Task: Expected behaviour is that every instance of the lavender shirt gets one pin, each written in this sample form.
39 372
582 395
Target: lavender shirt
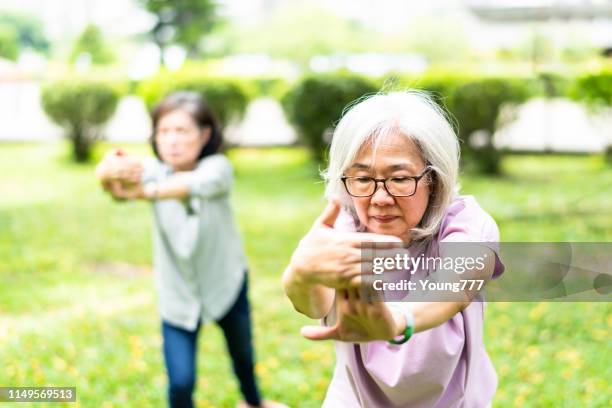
446 366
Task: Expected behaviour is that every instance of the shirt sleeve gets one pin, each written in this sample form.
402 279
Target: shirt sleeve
466 221
212 178
150 167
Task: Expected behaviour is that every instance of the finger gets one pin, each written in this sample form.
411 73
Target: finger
350 256
351 267
352 295
342 294
351 271
115 173
355 282
381 241
349 305
136 167
137 174
377 252
116 189
320 332
364 284
330 214
355 302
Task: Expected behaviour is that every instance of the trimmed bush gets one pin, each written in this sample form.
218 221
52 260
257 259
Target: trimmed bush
439 84
316 103
477 105
552 85
81 107
595 89
228 98
273 87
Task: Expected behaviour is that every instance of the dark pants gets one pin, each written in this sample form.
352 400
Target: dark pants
180 347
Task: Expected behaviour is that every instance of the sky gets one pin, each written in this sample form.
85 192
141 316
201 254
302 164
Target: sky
66 18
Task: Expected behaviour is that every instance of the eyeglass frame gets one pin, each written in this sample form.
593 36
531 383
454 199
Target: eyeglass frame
416 179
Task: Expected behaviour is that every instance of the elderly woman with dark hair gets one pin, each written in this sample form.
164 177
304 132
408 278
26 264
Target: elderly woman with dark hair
200 267
392 177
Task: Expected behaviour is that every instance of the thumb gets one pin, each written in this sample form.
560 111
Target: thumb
330 214
117 187
319 332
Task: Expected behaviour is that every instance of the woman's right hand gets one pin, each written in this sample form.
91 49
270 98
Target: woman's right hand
119 166
333 258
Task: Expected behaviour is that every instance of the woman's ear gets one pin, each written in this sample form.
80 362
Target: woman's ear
205 134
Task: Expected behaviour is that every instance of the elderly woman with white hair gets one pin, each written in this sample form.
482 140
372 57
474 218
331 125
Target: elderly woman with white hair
392 177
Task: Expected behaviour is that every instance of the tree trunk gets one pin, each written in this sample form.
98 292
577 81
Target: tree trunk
80 145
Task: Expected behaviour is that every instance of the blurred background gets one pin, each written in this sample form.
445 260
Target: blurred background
528 85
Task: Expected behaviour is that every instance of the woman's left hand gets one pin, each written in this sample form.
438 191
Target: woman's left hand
358 320
122 191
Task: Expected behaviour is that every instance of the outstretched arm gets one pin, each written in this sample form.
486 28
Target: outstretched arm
324 260
212 178
358 320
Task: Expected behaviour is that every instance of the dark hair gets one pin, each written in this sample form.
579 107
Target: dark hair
194 104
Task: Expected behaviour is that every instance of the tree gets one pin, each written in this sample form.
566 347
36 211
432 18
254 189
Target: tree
451 40
81 107
28 30
9 44
181 22
278 34
91 41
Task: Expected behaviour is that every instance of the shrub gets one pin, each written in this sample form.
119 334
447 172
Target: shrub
440 85
476 105
227 98
316 103
273 87
595 89
552 85
81 107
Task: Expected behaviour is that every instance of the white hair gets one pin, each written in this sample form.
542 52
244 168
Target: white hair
410 113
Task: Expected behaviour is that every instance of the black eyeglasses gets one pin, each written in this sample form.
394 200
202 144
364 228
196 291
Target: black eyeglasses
405 186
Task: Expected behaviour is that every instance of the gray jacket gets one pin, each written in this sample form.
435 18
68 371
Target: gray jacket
198 257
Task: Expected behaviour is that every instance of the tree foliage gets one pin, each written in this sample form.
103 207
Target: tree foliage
27 30
182 22
91 41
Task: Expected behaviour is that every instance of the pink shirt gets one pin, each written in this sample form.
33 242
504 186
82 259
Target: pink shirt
446 366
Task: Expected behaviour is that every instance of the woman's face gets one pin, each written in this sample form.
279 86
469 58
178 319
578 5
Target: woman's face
382 213
180 140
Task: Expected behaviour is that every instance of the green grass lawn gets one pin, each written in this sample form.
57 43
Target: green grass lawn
77 304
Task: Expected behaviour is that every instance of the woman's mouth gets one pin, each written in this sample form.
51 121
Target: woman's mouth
384 219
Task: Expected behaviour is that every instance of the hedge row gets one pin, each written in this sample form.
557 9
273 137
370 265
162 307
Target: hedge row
478 103
315 103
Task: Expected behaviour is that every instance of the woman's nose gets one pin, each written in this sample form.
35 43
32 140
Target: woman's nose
381 196
172 137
